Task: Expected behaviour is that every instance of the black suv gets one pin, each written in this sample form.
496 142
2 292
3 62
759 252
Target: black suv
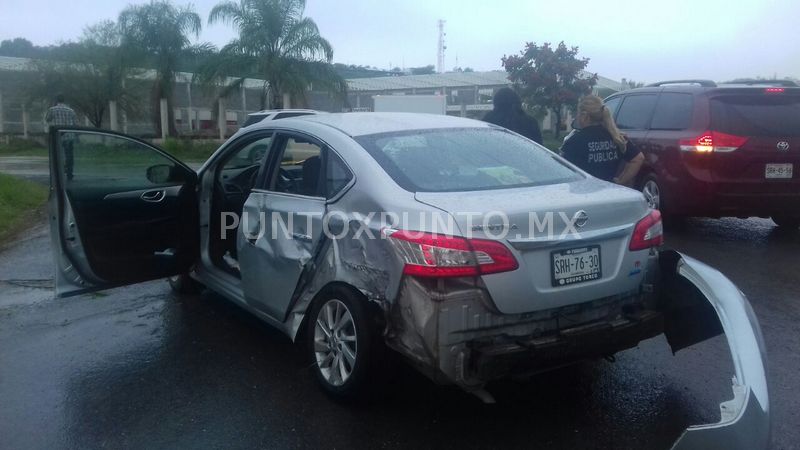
729 149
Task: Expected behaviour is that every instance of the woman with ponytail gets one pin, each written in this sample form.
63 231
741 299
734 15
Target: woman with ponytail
597 146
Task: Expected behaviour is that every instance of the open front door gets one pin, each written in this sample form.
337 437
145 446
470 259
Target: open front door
121 211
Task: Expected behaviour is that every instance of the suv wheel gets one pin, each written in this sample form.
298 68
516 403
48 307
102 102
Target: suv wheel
184 284
788 222
652 192
342 343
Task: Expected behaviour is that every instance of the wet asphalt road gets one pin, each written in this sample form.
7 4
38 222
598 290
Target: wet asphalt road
139 367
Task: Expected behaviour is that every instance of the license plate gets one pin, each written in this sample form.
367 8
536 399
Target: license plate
778 171
575 265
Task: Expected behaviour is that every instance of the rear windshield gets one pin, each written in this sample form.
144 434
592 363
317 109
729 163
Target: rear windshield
253 118
464 160
757 115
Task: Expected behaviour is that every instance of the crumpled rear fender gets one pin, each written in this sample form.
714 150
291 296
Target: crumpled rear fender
744 420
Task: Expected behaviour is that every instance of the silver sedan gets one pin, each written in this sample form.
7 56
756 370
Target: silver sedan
470 251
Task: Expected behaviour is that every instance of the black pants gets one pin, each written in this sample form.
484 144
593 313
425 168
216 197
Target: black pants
69 157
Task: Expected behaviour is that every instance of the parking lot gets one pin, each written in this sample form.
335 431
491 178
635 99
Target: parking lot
140 367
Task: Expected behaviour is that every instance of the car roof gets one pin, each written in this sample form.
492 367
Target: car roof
363 123
706 86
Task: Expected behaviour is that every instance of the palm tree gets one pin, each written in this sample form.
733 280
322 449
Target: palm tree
275 43
160 33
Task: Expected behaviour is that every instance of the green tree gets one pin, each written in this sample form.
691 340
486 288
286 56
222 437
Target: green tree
160 33
424 70
19 47
278 44
89 73
548 78
630 84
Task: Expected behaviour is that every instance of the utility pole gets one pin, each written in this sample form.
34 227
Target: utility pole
442 47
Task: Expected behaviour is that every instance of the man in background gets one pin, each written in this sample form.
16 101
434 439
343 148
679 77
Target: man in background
62 115
508 113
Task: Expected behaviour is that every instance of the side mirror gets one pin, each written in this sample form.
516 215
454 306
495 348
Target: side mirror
159 174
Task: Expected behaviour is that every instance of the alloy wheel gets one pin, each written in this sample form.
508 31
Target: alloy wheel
335 347
652 194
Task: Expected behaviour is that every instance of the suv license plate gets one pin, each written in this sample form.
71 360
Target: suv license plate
575 265
778 171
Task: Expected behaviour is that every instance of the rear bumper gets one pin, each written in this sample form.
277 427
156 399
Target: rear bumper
744 422
765 205
706 199
459 337
451 332
509 357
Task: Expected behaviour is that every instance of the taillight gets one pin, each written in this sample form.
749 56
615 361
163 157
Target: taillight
649 232
774 90
713 141
438 255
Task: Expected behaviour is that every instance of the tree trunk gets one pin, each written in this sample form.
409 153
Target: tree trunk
155 108
557 113
159 92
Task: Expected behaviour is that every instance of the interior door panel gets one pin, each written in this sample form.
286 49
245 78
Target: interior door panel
118 222
127 236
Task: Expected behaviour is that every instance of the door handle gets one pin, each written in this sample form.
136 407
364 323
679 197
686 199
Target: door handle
153 196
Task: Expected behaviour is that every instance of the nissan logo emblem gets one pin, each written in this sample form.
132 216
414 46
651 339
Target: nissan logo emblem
580 218
783 146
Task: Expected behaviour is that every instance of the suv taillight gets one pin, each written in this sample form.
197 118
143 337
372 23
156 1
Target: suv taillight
441 256
713 141
649 232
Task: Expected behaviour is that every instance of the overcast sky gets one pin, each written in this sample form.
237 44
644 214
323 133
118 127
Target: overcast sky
639 40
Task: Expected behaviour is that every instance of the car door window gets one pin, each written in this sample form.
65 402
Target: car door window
96 161
239 171
299 168
635 112
673 112
613 104
337 175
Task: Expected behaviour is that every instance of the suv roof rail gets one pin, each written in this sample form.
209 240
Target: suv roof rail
703 83
754 82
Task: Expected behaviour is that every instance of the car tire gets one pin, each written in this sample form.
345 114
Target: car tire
344 343
185 284
787 222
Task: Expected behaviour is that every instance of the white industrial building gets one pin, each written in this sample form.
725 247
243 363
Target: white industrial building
468 94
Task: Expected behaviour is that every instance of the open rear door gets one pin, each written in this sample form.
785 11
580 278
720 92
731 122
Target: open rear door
121 211
699 303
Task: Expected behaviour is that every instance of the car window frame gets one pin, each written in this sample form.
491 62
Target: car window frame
646 126
274 163
238 145
621 99
325 161
658 102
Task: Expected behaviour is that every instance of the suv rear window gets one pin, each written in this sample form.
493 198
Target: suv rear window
253 118
464 159
756 115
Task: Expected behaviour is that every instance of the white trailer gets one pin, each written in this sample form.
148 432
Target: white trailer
428 104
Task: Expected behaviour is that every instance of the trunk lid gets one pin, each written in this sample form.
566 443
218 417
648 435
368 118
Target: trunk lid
770 121
541 221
